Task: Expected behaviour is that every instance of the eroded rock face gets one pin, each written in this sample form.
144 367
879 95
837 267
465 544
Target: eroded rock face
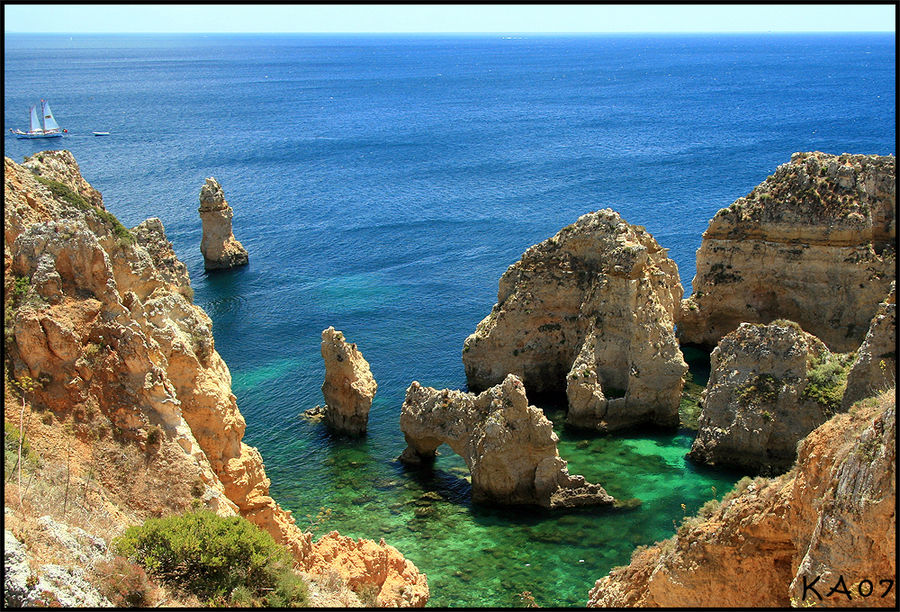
349 386
814 243
219 247
106 325
509 446
589 311
875 368
756 406
831 516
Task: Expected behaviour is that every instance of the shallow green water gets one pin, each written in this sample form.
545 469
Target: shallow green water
482 556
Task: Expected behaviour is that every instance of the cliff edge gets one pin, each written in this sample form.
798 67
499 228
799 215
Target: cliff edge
111 355
814 243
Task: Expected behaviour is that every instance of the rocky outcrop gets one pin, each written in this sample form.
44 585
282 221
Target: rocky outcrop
102 319
219 247
875 368
769 386
589 311
61 167
509 446
349 386
814 243
828 524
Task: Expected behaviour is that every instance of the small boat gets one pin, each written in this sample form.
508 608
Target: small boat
101 133
44 126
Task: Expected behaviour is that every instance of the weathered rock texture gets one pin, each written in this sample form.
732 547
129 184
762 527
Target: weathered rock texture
219 247
814 243
756 406
591 311
875 367
831 516
509 446
349 386
102 318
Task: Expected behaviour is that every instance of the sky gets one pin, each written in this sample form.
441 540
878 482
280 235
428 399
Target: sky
478 18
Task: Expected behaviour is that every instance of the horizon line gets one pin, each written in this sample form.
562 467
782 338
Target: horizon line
486 33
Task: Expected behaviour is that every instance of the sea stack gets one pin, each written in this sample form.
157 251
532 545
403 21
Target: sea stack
769 386
219 247
589 311
509 446
349 386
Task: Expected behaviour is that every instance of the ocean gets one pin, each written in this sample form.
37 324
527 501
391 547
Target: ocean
382 185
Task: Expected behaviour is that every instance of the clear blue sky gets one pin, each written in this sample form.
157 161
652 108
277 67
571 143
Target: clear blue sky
86 18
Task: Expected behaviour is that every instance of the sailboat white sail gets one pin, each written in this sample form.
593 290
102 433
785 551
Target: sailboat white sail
41 126
35 124
50 123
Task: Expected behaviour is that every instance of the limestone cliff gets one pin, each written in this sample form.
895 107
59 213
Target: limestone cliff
828 524
101 319
509 446
589 311
765 393
875 367
349 386
814 243
220 248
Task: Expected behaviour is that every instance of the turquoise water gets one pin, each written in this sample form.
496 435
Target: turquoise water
482 556
383 184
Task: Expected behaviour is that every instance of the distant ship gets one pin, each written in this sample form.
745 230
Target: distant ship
44 126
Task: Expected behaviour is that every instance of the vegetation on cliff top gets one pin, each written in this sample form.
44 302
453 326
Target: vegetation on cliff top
70 196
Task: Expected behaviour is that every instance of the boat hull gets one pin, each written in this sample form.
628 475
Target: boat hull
32 136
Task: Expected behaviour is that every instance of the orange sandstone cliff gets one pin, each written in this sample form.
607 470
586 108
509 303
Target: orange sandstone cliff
821 534
102 335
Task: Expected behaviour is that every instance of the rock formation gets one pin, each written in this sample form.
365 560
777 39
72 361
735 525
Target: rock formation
349 387
814 243
101 319
875 367
769 386
509 446
591 311
219 247
828 524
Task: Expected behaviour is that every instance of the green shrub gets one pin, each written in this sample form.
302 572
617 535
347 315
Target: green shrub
826 379
209 556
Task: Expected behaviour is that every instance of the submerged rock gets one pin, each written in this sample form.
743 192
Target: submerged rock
814 243
219 247
589 311
769 386
509 446
349 386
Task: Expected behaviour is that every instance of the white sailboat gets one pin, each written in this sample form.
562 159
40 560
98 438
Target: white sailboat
43 126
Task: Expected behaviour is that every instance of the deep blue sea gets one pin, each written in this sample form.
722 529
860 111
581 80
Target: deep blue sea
382 185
